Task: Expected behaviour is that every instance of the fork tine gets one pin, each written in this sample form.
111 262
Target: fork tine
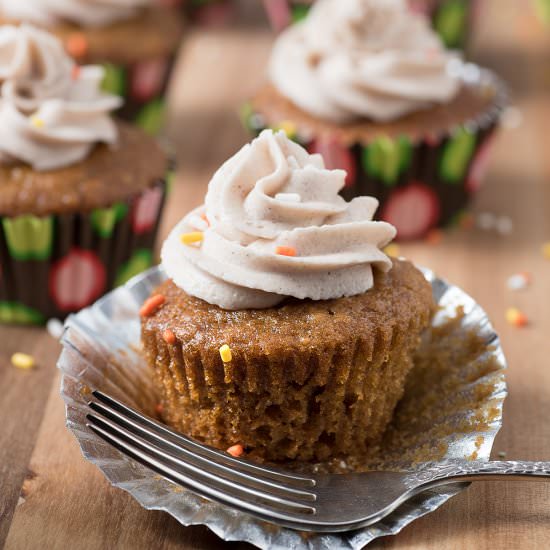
251 501
196 448
178 452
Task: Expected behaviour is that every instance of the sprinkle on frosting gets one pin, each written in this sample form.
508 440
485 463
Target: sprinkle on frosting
192 237
352 59
47 118
237 267
86 13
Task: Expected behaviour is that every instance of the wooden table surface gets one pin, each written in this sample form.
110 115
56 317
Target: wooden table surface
50 497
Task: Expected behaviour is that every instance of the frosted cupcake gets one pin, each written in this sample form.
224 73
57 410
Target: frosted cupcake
134 40
370 86
80 193
283 326
451 19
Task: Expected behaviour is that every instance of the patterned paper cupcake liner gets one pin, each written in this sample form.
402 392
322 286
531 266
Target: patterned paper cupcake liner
422 182
55 265
143 86
452 19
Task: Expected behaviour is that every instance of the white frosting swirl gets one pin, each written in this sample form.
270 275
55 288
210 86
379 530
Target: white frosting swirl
272 194
352 59
86 13
51 114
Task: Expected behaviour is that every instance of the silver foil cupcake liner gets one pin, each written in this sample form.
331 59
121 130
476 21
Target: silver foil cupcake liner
101 350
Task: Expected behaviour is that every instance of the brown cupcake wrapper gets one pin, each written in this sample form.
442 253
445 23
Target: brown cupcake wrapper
308 407
55 265
451 19
422 182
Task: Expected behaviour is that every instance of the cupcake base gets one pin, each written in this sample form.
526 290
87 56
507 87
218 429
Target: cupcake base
308 381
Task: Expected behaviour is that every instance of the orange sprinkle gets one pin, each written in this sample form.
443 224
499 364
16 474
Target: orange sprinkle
434 237
169 337
515 317
76 45
151 305
285 251
75 73
204 218
236 450
159 409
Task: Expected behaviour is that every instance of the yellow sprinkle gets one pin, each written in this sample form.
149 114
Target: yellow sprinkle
288 127
392 250
22 361
193 237
546 250
225 353
37 122
515 317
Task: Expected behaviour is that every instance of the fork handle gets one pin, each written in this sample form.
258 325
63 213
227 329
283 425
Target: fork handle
451 472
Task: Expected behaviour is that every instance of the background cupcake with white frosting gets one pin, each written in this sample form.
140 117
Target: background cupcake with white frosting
80 193
134 40
451 19
369 85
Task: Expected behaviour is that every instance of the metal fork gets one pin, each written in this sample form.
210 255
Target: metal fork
324 503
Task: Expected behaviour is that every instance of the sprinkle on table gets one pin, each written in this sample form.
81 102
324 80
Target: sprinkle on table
546 250
516 318
236 450
192 238
519 281
76 45
285 251
434 236
225 354
23 361
151 305
169 337
392 250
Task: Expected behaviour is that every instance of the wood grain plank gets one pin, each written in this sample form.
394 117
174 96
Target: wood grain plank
23 396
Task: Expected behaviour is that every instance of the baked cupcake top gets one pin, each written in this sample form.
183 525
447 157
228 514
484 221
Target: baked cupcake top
87 13
52 113
356 59
273 225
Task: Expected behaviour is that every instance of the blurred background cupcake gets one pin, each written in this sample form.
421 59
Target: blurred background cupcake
451 19
80 193
370 86
134 40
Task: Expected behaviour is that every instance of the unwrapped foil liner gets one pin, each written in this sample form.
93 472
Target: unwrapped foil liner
101 350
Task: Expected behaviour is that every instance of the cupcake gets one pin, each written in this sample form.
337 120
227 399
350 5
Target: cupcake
80 193
370 86
451 19
283 327
103 32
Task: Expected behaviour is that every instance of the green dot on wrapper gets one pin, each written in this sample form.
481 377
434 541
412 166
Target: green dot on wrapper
29 237
140 261
103 221
114 80
151 117
19 314
450 22
386 159
456 156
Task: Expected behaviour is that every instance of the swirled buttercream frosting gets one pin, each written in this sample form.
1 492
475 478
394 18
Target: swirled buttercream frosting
52 113
273 226
86 13
354 59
